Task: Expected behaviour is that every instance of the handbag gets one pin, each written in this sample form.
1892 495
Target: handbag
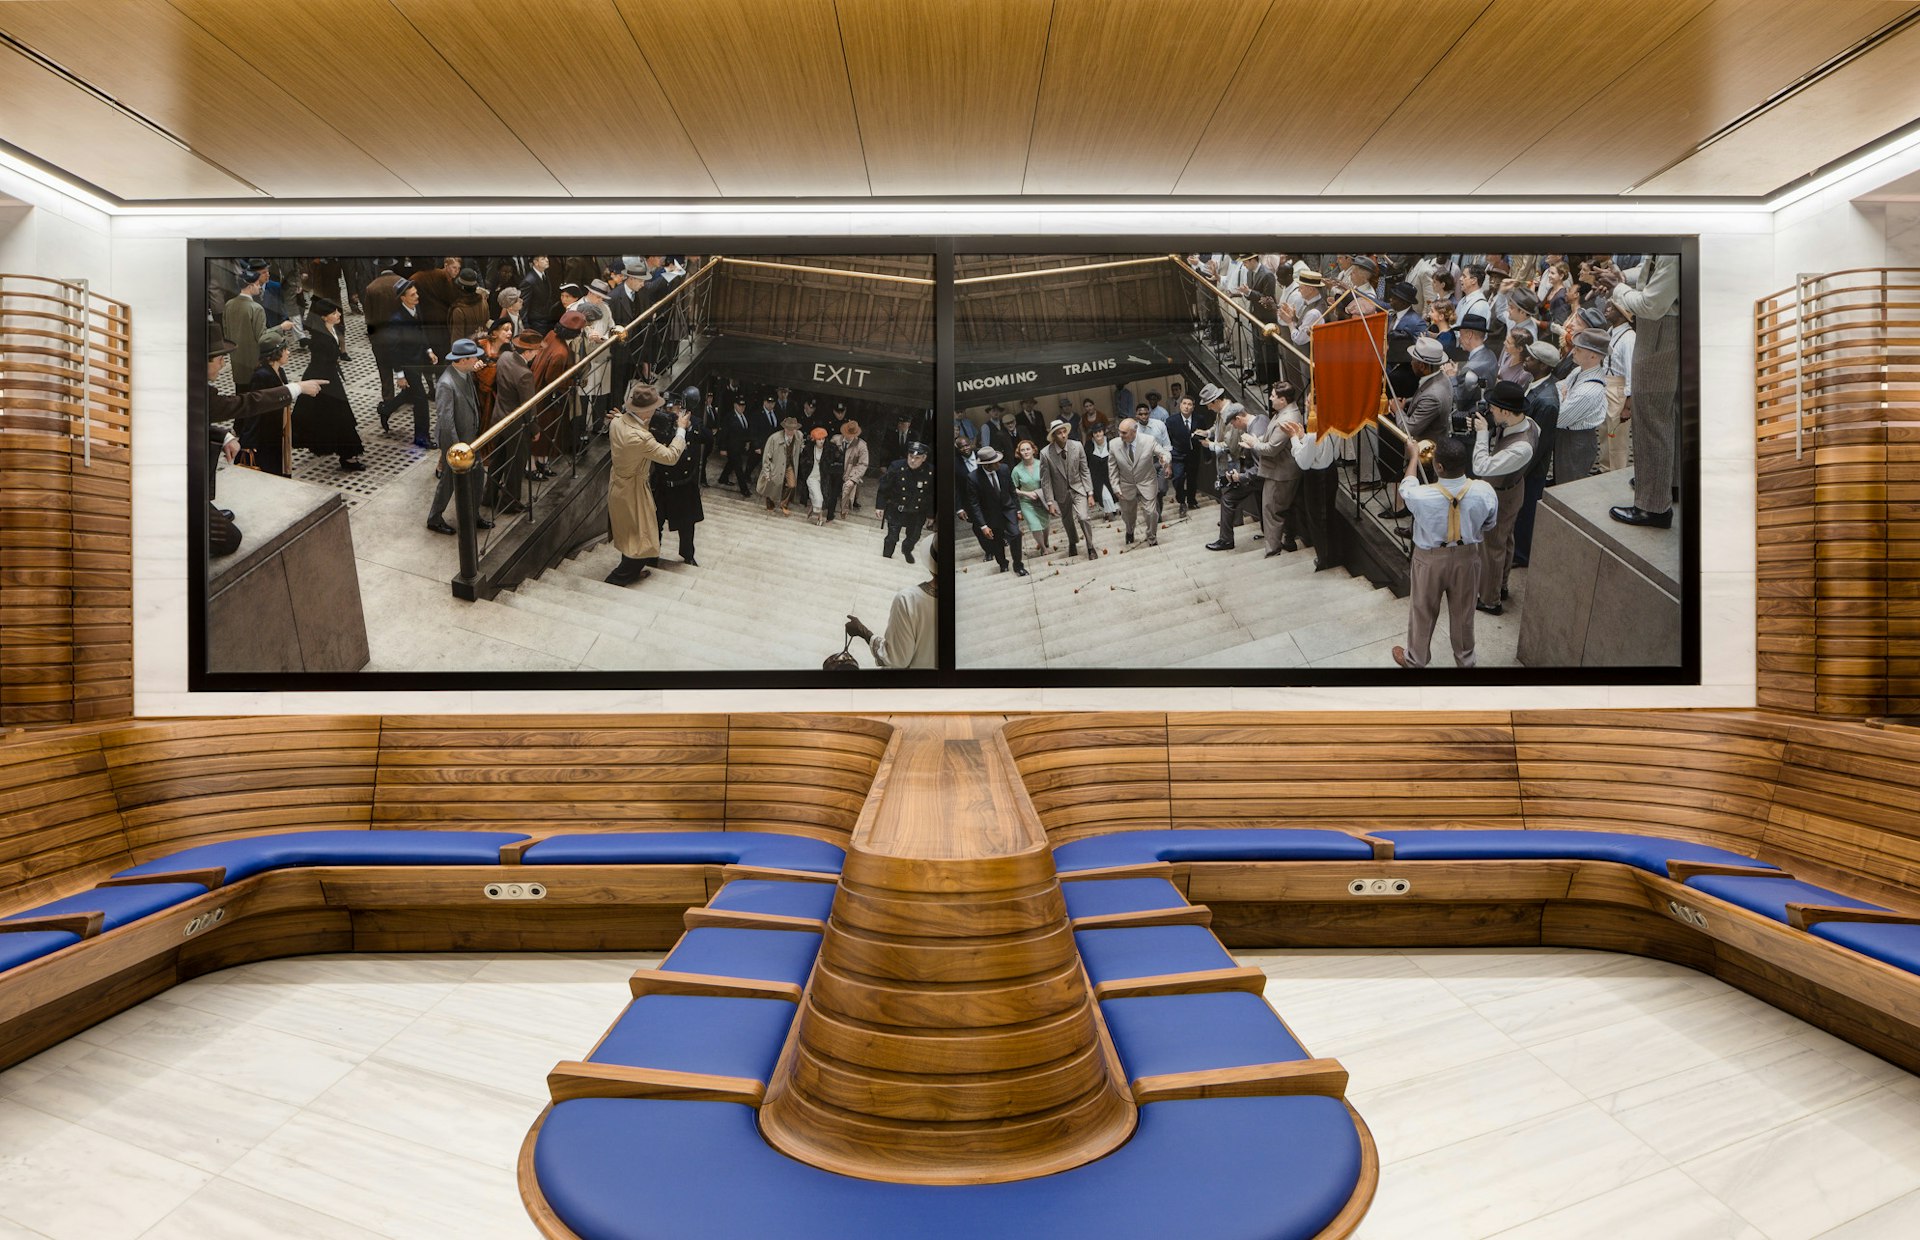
842 662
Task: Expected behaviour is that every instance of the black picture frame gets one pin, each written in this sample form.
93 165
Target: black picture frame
944 249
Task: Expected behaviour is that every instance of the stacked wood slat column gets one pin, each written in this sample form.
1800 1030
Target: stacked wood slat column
66 505
1838 393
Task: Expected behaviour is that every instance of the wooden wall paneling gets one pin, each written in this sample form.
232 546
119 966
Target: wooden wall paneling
1699 776
591 123
36 573
801 774
838 312
1126 94
366 71
1845 811
1308 95
1813 127
761 87
63 826
198 781
1091 773
552 773
944 90
1668 100
1068 306
1903 565
188 81
1358 771
1457 110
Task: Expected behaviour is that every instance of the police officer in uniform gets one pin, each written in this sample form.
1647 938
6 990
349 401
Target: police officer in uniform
905 500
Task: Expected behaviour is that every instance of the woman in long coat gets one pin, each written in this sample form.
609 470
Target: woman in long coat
630 512
263 434
324 424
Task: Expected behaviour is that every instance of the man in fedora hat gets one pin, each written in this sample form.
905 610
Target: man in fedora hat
513 386
404 350
1067 485
996 510
1482 367
632 519
457 421
1505 441
778 460
1583 409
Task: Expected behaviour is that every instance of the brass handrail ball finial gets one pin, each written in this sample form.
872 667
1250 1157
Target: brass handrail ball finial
460 457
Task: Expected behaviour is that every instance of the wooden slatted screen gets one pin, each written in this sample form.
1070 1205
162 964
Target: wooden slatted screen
1837 376
63 827
801 774
66 504
1088 774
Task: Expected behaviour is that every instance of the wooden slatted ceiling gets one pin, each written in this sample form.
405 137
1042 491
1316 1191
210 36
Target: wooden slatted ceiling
203 92
1733 57
761 86
945 94
364 68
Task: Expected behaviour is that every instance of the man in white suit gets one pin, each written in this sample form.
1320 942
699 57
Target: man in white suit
1134 470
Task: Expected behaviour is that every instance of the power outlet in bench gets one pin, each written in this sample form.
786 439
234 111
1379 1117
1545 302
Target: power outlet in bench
1379 887
204 920
516 891
1687 913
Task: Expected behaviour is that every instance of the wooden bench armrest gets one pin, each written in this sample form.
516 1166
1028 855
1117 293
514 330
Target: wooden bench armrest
1322 1077
696 918
1186 915
86 925
209 877
515 853
572 1079
1203 982
662 982
1143 869
1681 871
1802 916
1382 849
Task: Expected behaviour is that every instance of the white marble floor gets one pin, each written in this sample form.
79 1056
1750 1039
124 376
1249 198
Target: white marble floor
1525 1095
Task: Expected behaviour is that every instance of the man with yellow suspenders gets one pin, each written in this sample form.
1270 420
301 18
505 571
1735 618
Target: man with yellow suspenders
1450 517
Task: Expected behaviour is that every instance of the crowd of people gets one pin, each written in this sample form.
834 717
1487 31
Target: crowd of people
1538 369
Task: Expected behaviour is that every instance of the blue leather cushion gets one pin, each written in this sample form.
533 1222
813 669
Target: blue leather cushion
17 949
1219 1168
1648 852
1096 896
786 852
1898 946
120 904
255 853
1157 1034
699 1033
1769 897
1144 951
768 955
1226 844
754 895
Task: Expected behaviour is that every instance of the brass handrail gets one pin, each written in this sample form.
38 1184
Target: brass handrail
1270 330
1055 271
463 455
885 277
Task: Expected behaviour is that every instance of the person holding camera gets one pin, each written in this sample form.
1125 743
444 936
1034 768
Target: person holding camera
1505 441
631 517
1241 486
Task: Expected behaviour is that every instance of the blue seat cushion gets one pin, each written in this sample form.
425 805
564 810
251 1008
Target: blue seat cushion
756 895
1220 1168
699 1033
1096 897
784 852
1898 946
18 949
120 904
1158 1034
1769 897
765 955
1648 852
1146 951
1225 844
254 853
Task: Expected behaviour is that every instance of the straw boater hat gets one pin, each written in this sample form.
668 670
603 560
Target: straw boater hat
1058 426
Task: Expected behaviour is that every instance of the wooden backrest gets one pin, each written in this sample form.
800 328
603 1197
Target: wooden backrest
196 781
1088 774
63 830
1846 808
801 774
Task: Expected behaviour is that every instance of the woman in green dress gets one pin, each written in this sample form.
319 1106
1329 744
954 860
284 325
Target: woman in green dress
1026 485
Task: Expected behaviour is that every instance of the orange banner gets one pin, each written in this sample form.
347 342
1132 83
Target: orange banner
1349 372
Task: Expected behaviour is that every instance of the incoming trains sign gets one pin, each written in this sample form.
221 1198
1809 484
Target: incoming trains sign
1058 368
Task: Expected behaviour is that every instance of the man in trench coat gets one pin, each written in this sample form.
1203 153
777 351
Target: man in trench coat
631 517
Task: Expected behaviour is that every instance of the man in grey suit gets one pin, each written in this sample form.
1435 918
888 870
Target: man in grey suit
1134 466
457 420
1067 484
1241 486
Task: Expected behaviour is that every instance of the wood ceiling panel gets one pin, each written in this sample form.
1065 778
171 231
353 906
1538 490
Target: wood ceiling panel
611 132
51 118
1501 86
761 86
186 81
362 66
1128 89
1309 94
1874 95
944 90
1729 60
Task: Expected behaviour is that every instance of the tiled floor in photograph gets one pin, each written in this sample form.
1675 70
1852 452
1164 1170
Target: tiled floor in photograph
1527 1095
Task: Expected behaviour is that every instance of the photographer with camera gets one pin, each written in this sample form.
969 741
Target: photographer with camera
1241 486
